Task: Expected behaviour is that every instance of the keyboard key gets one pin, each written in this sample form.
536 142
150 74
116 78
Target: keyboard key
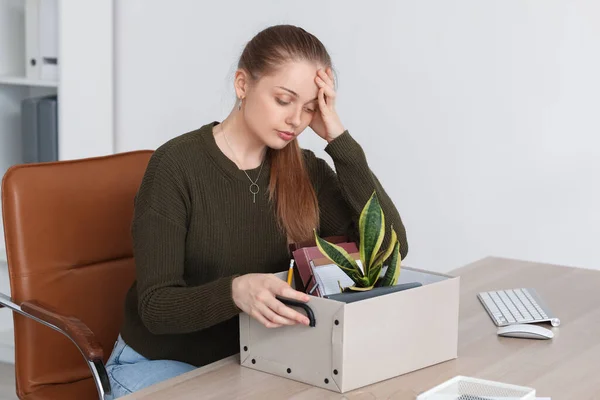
509 306
536 315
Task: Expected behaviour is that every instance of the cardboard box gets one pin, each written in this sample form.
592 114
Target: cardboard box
357 344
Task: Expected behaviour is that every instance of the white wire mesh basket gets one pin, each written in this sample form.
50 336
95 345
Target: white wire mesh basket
466 388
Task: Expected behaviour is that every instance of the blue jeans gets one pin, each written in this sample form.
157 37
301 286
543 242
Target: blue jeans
129 371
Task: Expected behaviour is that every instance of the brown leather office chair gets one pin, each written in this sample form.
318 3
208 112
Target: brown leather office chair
67 231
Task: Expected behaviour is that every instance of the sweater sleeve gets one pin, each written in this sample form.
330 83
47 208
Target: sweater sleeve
166 303
343 194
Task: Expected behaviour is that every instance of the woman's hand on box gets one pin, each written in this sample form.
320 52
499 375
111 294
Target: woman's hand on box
255 295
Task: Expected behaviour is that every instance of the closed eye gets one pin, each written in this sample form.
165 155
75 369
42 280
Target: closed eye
285 103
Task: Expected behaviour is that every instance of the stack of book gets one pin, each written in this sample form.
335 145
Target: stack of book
39 119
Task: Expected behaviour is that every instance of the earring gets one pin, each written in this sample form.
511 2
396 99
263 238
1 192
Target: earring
240 105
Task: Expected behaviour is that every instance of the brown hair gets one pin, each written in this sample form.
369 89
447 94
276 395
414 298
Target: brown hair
289 186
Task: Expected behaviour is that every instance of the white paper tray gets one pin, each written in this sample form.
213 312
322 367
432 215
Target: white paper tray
466 388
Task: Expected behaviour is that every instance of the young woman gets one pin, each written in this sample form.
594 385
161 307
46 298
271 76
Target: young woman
218 207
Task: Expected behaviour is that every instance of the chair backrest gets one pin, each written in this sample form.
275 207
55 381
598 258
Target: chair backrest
67 232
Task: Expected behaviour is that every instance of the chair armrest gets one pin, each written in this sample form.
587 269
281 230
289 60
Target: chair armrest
69 326
77 331
74 329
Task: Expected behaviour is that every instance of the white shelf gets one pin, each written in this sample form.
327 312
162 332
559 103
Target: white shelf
85 45
22 81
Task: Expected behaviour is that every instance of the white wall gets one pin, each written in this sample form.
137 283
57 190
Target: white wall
86 120
480 118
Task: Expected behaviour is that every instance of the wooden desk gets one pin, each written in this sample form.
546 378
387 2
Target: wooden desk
566 367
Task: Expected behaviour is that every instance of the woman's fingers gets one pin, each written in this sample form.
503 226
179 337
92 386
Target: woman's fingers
289 293
330 74
256 295
287 313
266 309
256 314
327 77
327 89
326 100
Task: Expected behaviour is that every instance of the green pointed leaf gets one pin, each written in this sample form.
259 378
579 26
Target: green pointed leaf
341 258
374 274
336 254
359 289
363 282
384 256
361 285
372 230
393 269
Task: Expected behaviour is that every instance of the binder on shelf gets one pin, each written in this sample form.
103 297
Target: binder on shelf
32 35
41 39
39 136
48 129
29 130
48 39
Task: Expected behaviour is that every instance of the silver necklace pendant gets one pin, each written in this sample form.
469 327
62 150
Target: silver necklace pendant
254 188
254 193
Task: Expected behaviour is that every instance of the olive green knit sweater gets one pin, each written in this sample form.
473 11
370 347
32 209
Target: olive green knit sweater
196 227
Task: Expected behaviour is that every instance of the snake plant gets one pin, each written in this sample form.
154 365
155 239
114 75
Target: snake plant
372 232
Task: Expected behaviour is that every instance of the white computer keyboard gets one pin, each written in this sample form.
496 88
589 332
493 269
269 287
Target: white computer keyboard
516 306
